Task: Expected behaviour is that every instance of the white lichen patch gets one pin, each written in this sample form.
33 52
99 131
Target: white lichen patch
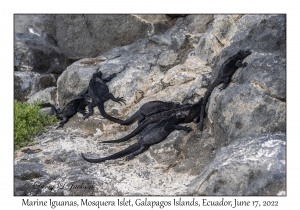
31 30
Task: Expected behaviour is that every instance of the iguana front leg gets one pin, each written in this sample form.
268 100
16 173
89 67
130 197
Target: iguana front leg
82 111
240 64
110 77
185 128
91 109
61 124
226 83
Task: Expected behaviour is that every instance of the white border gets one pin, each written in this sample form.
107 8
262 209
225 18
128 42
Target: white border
153 6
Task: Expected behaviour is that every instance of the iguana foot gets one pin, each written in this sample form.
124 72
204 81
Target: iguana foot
187 129
223 87
129 157
60 126
120 99
86 116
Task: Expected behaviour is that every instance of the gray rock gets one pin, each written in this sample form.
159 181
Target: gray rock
28 83
223 27
258 92
267 35
38 54
73 81
134 65
213 40
37 24
47 95
266 70
199 23
81 36
35 46
245 109
208 48
253 165
30 178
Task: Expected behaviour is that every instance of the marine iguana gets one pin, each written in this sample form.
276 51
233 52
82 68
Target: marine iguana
99 92
190 111
71 108
227 69
150 108
153 134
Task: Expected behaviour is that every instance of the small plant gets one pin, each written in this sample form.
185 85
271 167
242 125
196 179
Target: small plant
28 121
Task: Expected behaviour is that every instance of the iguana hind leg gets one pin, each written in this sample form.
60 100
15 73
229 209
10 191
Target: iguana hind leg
111 96
61 124
142 149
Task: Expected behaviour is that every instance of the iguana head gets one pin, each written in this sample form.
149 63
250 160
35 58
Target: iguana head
180 116
243 53
98 74
177 104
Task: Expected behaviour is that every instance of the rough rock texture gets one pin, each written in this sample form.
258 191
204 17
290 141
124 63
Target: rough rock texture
73 81
35 24
253 165
47 95
36 46
28 83
163 170
245 123
38 53
258 92
81 36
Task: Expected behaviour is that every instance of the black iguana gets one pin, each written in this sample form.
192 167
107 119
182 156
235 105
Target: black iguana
190 111
71 108
153 134
150 108
227 69
99 92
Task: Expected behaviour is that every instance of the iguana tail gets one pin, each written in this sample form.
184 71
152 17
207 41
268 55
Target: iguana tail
107 116
56 111
214 84
131 119
132 134
120 154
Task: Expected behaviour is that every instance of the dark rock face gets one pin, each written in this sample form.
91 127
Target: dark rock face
28 83
81 36
258 92
253 165
38 54
233 114
35 24
23 173
47 95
